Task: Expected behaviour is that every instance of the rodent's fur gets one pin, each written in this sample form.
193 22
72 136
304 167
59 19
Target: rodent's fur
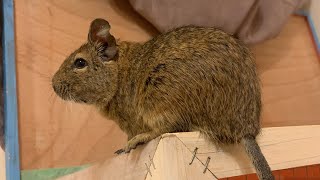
188 79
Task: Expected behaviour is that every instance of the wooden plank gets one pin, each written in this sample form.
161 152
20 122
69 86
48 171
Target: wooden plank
300 172
54 133
123 167
172 160
2 165
310 172
12 157
289 69
313 172
314 20
311 12
283 147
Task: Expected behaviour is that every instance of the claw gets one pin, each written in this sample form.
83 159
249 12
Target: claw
119 151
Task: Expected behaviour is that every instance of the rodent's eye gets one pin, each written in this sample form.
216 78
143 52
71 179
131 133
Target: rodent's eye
80 63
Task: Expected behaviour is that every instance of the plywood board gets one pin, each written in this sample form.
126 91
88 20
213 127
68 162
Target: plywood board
298 173
289 69
9 109
131 166
172 160
54 133
2 165
314 13
283 147
164 160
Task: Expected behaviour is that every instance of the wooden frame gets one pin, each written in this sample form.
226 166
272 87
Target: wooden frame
12 157
172 157
311 15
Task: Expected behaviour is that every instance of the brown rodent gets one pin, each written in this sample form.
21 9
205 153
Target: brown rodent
188 79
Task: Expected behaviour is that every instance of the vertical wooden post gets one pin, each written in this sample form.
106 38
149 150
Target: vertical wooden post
10 93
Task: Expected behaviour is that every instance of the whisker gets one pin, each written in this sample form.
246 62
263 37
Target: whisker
67 108
54 98
52 94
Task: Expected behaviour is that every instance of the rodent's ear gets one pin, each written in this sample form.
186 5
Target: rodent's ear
99 35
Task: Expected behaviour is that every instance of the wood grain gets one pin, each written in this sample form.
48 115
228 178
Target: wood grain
290 74
172 160
310 172
283 147
54 133
131 166
314 13
2 164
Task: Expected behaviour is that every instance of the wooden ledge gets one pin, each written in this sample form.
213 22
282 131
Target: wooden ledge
168 156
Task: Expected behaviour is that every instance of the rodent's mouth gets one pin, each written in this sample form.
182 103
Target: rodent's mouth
78 100
62 90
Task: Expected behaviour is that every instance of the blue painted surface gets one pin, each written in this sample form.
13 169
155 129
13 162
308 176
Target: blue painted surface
10 93
312 27
314 33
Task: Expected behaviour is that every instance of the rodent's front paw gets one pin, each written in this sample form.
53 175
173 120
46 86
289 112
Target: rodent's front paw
130 145
135 141
126 149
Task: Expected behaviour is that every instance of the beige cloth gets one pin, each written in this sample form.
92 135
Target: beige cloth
252 21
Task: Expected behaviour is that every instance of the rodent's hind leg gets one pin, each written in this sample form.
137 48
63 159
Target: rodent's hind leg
137 140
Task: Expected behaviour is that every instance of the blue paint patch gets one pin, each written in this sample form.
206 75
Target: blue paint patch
10 93
314 33
312 27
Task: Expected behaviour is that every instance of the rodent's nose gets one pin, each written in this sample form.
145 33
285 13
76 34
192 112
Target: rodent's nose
54 83
55 88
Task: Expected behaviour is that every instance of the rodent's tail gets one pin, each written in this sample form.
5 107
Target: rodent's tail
258 160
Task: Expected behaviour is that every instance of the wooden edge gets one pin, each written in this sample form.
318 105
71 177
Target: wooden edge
283 147
2 165
126 166
161 158
314 32
172 160
310 172
312 26
10 93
